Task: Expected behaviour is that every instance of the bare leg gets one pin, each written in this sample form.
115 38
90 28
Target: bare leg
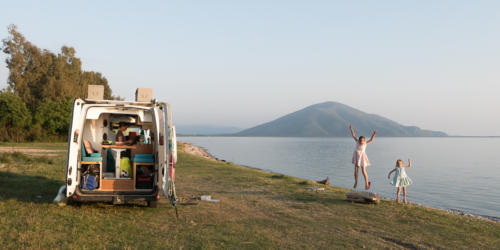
356 170
367 183
404 194
397 197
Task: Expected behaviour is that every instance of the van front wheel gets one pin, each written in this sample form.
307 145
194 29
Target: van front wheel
153 204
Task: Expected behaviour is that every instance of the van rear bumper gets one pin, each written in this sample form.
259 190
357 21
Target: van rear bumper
115 197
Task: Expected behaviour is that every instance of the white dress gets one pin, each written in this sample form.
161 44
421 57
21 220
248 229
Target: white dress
400 179
359 157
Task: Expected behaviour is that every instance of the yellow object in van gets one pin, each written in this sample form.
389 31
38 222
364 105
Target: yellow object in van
125 167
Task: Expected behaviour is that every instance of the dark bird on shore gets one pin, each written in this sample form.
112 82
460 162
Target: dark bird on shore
325 181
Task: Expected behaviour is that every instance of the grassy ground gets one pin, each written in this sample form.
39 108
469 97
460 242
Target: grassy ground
256 210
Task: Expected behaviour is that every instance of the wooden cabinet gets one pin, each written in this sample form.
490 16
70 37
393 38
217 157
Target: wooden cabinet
117 185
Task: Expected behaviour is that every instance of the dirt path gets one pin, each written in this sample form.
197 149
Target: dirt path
32 151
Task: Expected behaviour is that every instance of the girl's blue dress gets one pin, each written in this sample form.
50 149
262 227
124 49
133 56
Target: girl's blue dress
400 179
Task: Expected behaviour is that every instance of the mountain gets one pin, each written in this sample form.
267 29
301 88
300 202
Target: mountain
205 130
331 119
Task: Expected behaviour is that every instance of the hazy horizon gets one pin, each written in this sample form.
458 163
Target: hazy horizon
431 64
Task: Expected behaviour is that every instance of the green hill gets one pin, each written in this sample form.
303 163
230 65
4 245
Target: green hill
331 119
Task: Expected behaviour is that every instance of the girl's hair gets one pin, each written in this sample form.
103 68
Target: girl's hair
361 137
399 160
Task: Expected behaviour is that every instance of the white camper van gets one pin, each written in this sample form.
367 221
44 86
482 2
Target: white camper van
120 151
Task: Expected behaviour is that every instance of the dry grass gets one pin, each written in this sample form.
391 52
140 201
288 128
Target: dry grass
256 210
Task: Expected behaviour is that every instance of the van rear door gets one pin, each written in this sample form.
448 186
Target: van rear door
161 146
74 135
169 173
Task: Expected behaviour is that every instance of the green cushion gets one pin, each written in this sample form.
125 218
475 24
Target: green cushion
84 152
142 159
92 157
144 156
87 158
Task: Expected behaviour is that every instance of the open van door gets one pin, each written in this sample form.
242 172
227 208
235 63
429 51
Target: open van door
74 141
169 174
162 146
172 160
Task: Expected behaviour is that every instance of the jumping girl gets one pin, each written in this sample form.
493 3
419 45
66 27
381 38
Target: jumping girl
359 158
400 178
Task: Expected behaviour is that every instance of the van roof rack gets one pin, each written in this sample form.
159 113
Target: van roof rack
153 101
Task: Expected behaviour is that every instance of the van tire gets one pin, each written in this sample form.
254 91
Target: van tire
153 204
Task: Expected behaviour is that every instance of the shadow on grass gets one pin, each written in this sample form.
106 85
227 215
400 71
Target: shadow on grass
400 243
27 188
39 189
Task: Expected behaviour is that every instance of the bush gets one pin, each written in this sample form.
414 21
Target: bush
53 117
14 119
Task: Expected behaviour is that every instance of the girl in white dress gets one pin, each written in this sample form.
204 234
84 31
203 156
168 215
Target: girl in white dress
400 180
359 158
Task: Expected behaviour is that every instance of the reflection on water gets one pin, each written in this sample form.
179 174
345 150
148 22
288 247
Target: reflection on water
450 173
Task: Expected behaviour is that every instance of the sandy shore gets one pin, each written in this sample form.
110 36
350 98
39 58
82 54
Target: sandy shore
196 150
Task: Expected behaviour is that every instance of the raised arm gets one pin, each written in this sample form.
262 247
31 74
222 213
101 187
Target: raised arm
389 175
373 137
409 164
352 133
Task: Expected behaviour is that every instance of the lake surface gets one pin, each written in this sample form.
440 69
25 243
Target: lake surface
449 173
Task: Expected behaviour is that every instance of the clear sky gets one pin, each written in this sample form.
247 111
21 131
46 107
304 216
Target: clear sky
433 64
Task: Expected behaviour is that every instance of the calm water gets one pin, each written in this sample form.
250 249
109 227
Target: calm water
449 173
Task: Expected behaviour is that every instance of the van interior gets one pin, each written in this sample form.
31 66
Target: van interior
117 151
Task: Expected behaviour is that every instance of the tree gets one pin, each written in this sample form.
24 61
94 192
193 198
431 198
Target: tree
44 83
38 75
14 117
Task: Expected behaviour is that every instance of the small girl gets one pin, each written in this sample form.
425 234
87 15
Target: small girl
359 158
400 178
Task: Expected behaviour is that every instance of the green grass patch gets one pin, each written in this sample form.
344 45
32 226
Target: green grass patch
20 158
257 209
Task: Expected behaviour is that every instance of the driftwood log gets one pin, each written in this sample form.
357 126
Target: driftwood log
363 197
325 181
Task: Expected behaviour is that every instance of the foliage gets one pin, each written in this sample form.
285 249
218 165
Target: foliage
14 117
37 74
13 110
53 117
45 82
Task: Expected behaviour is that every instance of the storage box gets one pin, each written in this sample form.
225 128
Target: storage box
143 95
144 182
95 92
